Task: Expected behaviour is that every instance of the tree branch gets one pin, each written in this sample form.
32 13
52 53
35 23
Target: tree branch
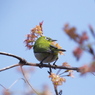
23 62
53 66
3 69
44 65
15 56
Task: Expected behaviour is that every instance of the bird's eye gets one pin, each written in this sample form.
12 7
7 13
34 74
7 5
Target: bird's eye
48 39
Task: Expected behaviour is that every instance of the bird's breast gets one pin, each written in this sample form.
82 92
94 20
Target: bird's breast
46 57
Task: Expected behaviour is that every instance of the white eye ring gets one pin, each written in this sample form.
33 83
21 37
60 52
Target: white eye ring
46 38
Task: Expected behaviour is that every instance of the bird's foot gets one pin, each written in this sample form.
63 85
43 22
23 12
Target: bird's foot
41 65
54 65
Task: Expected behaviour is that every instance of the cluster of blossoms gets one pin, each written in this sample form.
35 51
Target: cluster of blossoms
34 34
56 79
71 32
65 64
81 40
7 92
87 68
78 51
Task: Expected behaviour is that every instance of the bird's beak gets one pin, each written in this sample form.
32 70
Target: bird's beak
54 40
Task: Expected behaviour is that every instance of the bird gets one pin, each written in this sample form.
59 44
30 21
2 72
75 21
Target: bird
44 51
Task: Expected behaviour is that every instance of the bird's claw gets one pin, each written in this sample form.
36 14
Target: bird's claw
54 65
41 65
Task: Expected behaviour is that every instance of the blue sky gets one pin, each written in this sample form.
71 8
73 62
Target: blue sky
17 17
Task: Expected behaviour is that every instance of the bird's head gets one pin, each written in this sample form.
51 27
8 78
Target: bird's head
47 39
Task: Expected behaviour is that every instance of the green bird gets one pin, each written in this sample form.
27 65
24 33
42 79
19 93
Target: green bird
44 51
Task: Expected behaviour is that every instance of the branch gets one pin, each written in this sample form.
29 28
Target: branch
56 92
28 81
23 62
44 65
3 69
15 56
53 66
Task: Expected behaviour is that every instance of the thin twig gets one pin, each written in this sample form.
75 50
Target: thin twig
28 81
58 71
15 82
55 88
6 68
3 86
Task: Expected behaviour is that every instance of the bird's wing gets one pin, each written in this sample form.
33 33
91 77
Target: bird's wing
52 46
46 51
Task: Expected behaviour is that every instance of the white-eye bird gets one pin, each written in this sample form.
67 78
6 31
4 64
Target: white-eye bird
44 51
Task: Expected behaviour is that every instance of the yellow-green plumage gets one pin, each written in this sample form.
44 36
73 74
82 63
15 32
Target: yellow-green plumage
44 51
41 44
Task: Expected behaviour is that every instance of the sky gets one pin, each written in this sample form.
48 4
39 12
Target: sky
18 17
